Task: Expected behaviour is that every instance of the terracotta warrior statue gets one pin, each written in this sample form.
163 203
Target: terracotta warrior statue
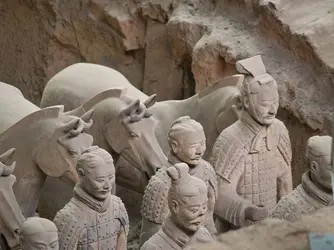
315 191
187 140
252 157
94 218
188 203
38 233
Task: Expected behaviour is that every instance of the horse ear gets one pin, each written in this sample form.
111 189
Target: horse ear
150 101
229 115
9 154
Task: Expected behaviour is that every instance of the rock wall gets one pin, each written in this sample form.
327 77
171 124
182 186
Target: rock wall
276 234
177 47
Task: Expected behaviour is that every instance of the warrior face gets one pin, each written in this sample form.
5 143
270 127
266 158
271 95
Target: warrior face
97 172
321 172
189 213
318 158
190 148
262 102
187 140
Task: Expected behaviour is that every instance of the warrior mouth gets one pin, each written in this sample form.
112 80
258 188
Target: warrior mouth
105 191
196 223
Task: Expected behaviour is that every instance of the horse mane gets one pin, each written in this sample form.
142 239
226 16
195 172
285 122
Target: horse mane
232 81
46 113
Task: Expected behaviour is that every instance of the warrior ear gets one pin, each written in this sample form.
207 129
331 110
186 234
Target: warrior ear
174 146
245 100
314 167
175 207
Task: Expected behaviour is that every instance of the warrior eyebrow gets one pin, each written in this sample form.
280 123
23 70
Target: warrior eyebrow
104 176
38 243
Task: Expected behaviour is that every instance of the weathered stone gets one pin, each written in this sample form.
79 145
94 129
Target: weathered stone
161 76
275 234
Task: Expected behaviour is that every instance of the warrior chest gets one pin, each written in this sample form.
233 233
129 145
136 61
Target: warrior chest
261 164
100 232
260 171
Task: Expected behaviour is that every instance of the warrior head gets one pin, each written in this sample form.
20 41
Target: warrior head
187 140
187 198
318 159
97 172
259 90
38 233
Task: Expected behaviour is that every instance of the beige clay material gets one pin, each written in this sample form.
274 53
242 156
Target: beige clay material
187 144
38 233
11 217
213 107
187 202
315 191
94 218
275 234
123 122
124 127
47 143
252 157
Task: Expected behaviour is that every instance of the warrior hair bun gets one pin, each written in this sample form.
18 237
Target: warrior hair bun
181 120
178 171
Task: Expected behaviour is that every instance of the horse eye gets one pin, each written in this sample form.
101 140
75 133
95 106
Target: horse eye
133 134
72 152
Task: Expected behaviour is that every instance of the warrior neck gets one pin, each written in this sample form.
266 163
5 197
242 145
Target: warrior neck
315 190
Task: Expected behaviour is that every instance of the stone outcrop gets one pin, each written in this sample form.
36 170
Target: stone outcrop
177 47
275 234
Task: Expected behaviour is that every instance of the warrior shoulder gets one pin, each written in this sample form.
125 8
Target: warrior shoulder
286 208
150 245
69 222
154 203
120 210
210 174
70 213
227 152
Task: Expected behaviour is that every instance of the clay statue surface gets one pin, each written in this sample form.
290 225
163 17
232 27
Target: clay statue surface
123 123
252 157
38 233
315 191
47 143
188 203
10 214
123 126
212 107
187 144
94 218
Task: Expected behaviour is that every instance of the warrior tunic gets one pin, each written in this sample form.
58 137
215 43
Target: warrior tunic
170 237
155 204
86 223
307 198
252 163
